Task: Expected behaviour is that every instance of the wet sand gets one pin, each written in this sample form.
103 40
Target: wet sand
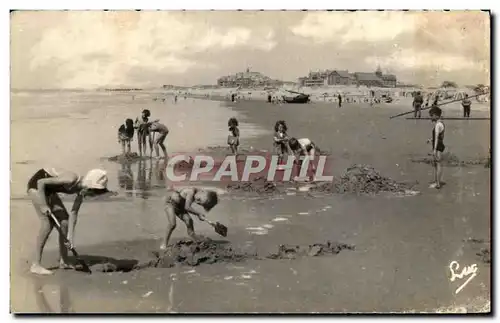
403 245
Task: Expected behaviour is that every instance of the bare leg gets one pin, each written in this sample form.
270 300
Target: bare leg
59 210
46 227
186 218
171 218
123 147
439 170
128 147
162 145
139 143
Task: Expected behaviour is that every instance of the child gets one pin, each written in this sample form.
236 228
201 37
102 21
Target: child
304 148
162 130
179 203
43 189
126 134
466 104
418 100
233 139
142 126
280 139
437 144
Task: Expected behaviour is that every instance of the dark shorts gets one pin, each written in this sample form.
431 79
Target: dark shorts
440 147
33 181
175 200
417 107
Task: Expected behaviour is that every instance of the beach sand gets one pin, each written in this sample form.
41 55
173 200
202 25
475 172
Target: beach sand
403 245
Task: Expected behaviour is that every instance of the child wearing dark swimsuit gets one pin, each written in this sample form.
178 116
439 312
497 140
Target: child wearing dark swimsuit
233 138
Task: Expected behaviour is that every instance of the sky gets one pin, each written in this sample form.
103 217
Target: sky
90 49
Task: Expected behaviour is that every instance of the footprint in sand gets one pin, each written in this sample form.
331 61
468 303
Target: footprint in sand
279 219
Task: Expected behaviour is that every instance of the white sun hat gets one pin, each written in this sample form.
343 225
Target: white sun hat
96 179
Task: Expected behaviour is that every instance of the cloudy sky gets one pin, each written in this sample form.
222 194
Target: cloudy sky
88 49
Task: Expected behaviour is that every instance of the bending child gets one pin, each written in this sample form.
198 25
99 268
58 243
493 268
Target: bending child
43 189
179 203
162 130
306 149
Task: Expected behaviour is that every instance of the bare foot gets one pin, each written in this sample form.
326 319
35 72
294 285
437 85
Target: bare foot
39 270
65 265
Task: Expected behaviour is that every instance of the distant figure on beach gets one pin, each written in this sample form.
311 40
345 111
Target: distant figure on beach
143 135
280 139
126 134
340 100
466 104
303 148
43 189
233 97
159 128
179 203
175 98
418 100
233 139
438 146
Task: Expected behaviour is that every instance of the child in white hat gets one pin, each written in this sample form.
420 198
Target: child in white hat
43 189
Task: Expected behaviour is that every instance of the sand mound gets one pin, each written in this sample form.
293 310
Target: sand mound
191 253
359 179
317 249
451 160
362 179
127 158
261 186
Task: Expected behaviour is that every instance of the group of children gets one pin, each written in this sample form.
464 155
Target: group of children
153 132
45 185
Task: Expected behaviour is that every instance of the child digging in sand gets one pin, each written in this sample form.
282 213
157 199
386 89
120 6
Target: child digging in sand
233 139
43 189
437 144
304 148
126 134
280 140
179 203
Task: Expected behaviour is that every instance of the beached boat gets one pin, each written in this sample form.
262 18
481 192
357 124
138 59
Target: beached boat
298 98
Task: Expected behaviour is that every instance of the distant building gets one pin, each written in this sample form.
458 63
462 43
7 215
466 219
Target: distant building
247 79
343 77
368 79
338 77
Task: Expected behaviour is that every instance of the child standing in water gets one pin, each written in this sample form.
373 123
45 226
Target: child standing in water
437 145
142 126
126 134
158 128
43 189
280 139
233 139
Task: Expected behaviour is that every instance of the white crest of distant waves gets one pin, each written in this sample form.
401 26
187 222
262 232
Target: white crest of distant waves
99 48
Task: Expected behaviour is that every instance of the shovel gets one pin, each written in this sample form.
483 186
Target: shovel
78 259
220 228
